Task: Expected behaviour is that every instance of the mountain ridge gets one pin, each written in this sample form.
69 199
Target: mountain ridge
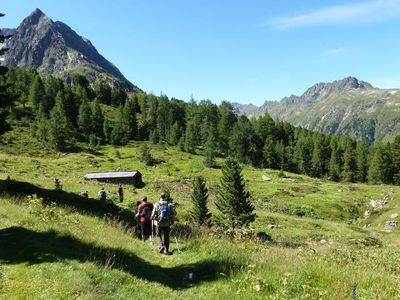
348 106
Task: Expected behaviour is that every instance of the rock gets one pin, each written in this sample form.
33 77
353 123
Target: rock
377 203
366 214
389 225
394 216
266 178
263 237
273 226
287 179
322 242
376 234
340 190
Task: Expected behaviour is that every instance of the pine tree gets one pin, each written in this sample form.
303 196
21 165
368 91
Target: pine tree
190 137
349 165
36 93
395 149
232 199
271 159
97 119
41 128
381 167
119 134
59 127
174 134
211 147
146 155
316 161
200 214
5 95
107 129
361 161
85 120
130 120
334 167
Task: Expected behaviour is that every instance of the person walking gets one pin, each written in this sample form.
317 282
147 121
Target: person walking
120 191
143 216
102 194
163 215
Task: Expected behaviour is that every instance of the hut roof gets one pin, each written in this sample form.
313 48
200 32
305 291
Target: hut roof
99 175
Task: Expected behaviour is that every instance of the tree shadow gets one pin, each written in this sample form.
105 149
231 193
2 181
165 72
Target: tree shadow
83 205
21 245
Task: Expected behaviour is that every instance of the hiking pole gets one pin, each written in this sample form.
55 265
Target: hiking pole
152 236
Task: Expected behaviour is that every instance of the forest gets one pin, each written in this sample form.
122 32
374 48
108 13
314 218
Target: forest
62 114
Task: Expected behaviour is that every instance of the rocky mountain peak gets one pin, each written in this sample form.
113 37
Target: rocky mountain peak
55 48
35 17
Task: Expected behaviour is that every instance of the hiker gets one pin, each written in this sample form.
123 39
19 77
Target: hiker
163 215
138 230
143 216
102 194
85 194
120 192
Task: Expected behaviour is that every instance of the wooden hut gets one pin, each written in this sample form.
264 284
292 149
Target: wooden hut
125 177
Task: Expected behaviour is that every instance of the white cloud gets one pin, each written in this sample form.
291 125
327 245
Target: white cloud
352 13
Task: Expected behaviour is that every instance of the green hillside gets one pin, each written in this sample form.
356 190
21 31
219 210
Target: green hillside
57 245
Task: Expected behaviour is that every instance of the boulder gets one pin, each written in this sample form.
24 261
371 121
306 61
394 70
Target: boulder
266 178
394 216
389 225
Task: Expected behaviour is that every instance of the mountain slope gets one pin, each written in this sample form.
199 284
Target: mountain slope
347 106
54 48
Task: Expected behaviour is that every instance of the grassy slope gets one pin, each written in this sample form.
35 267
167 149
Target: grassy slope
63 251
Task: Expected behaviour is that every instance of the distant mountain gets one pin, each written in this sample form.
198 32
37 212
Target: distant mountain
347 106
54 48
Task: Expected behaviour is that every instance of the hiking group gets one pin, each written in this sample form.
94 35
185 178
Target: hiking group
161 216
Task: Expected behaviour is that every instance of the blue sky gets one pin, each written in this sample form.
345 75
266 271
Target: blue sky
243 51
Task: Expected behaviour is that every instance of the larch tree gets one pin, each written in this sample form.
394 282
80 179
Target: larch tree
233 201
200 214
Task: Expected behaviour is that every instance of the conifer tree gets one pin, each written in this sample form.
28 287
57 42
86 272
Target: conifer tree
200 214
381 167
190 137
361 161
85 119
271 159
119 133
107 129
5 95
210 148
349 165
316 161
36 93
41 128
334 167
174 134
59 127
97 119
232 199
395 149
130 120
146 155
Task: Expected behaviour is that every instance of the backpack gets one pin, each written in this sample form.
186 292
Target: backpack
145 212
103 195
164 214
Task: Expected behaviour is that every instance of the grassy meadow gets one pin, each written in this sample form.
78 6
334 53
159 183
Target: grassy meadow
57 245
